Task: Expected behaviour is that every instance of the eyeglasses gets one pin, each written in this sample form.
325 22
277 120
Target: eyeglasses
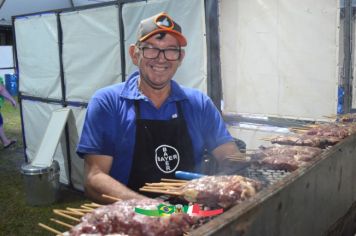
171 54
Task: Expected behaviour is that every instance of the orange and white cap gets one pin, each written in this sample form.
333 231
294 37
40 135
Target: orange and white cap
161 22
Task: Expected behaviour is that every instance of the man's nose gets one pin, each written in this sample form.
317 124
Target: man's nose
161 56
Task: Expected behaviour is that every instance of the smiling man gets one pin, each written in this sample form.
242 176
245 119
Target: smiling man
148 127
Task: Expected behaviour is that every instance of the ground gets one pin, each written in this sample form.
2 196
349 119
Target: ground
17 217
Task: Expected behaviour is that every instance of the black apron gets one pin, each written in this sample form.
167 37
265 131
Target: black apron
161 148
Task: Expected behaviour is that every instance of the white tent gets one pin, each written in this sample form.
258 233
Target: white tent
277 59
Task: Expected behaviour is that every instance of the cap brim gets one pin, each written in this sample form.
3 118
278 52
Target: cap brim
181 39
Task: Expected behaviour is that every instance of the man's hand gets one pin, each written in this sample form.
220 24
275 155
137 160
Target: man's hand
230 159
225 150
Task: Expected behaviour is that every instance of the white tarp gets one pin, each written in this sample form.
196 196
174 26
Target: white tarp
38 57
91 51
75 129
36 116
190 15
6 57
50 140
279 57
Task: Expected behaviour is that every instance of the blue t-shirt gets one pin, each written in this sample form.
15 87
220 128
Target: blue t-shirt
110 129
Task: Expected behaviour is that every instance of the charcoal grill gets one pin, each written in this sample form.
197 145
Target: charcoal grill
312 200
307 201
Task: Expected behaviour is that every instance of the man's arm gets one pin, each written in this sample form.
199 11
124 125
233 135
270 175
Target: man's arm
98 181
229 149
226 149
7 96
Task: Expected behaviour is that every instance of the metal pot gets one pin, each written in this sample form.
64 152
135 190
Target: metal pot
41 184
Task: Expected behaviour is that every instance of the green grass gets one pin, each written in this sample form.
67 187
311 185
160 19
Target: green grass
16 217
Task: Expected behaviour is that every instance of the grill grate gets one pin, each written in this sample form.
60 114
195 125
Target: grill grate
262 174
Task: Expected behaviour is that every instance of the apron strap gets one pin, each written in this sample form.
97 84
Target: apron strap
179 109
137 109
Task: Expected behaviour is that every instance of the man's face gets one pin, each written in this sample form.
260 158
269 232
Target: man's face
157 72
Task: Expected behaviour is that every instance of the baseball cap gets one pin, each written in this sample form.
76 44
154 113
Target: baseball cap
161 22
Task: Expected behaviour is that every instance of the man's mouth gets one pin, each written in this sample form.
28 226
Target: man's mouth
159 68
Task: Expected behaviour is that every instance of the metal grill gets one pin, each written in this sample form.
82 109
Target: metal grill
266 176
262 174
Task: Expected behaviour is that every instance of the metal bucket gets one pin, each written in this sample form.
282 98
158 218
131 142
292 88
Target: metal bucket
41 183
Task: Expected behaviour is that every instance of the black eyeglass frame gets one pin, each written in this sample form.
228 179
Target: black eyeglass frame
159 52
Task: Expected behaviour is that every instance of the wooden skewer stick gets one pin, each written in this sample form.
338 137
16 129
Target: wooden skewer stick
165 184
111 197
50 229
62 223
237 156
59 212
81 210
161 191
161 187
244 157
300 131
75 211
93 204
174 180
87 208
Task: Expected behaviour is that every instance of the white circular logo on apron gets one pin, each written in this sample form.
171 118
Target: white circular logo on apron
167 158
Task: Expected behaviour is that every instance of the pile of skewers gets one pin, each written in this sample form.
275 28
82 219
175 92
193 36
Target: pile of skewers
121 219
210 191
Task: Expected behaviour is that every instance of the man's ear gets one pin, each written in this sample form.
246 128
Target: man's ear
133 54
182 54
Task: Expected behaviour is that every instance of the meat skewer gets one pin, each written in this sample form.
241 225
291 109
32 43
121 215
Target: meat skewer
284 157
306 140
121 218
212 191
333 130
50 229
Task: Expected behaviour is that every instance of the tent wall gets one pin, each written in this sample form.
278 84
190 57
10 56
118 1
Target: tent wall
280 58
96 63
38 56
190 15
